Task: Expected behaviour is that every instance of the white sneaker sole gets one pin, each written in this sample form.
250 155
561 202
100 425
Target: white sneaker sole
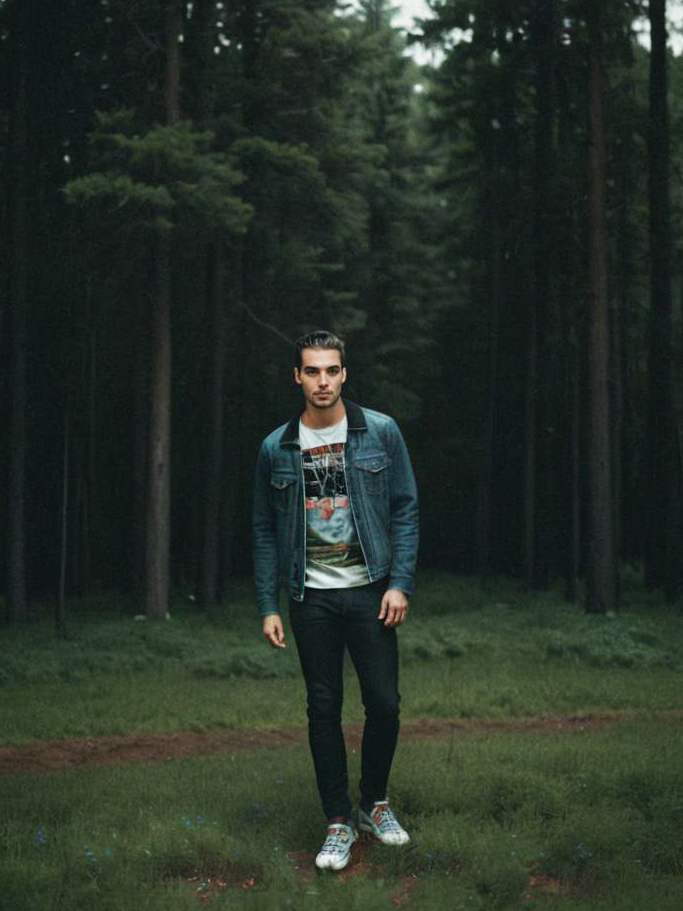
370 829
334 865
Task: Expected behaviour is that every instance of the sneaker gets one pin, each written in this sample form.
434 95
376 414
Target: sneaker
336 849
383 824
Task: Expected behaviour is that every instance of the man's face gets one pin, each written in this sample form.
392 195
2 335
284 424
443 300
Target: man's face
321 376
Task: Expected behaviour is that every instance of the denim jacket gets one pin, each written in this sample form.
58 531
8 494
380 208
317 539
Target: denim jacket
383 496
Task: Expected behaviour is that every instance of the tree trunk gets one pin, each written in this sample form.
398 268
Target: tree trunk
601 582
60 614
15 587
574 473
616 397
661 569
625 492
211 482
530 435
199 44
484 518
173 26
572 434
159 453
214 455
537 455
92 515
141 439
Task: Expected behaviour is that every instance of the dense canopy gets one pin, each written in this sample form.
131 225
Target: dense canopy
188 186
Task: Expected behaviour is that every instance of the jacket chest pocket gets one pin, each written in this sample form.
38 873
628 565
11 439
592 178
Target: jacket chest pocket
373 474
283 490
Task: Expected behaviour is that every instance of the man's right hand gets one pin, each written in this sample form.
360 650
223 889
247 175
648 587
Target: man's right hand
273 630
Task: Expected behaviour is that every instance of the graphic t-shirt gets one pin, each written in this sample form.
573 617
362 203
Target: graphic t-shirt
334 558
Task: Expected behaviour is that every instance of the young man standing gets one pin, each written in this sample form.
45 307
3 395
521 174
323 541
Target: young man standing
335 520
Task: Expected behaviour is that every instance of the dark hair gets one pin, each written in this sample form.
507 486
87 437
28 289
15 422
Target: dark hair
320 338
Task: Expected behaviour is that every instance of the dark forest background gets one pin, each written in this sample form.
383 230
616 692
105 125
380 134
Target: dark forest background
188 186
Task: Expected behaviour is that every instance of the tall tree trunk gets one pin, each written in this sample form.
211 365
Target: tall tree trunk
91 511
616 397
211 482
625 493
159 454
214 454
484 518
60 613
237 352
202 43
570 288
530 436
141 411
15 588
572 434
574 470
173 27
660 457
601 582
159 446
537 454
231 464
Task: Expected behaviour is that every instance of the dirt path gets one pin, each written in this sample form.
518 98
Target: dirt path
85 752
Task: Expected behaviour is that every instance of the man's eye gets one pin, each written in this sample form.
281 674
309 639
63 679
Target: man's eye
333 371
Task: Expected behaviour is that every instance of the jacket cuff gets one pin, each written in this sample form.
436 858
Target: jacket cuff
404 583
265 611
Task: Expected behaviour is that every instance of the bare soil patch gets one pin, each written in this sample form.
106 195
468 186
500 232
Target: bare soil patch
85 752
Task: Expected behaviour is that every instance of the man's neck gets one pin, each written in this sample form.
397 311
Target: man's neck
319 418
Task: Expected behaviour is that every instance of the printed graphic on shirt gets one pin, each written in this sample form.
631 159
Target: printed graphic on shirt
333 553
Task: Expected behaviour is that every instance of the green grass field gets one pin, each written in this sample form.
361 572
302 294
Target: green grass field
511 819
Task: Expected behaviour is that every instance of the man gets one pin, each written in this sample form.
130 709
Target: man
335 519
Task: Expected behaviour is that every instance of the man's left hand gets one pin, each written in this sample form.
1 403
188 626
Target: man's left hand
394 607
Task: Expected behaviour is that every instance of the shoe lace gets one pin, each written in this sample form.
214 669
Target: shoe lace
384 818
337 840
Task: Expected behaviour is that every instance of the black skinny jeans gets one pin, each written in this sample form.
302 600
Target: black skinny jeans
325 623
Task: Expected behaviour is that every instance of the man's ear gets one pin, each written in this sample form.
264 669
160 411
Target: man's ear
297 378
343 375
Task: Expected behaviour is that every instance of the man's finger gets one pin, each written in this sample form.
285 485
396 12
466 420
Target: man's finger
278 636
396 616
391 617
274 632
383 608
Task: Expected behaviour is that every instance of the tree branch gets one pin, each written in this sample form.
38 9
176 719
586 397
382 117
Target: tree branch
265 325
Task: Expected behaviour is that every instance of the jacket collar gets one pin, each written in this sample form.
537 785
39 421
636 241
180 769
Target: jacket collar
354 415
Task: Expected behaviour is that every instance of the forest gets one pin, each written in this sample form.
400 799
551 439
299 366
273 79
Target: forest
189 185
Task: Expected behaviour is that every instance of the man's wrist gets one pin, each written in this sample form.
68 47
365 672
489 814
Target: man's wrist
403 585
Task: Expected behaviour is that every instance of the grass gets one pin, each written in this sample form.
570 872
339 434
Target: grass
465 653
584 820
575 820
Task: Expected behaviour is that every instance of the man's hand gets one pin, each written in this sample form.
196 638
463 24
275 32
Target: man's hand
394 607
274 631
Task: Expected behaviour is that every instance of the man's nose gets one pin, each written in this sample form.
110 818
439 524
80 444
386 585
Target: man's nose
324 380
